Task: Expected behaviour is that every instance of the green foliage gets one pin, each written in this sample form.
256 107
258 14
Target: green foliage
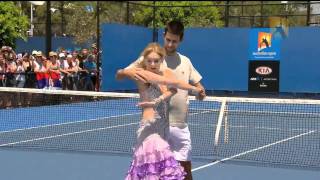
13 24
113 12
253 13
82 25
206 16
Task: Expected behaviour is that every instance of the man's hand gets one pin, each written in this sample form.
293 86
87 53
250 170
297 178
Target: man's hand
201 95
199 92
131 73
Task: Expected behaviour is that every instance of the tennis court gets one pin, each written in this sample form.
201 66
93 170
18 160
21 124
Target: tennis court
92 135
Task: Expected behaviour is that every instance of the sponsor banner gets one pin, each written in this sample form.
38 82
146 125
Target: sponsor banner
264 44
263 76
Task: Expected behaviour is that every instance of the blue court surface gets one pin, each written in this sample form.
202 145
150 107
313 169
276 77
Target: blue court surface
35 165
94 140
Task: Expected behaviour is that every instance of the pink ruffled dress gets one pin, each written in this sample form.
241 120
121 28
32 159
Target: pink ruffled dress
152 158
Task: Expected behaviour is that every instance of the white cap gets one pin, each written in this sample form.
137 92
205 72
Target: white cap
69 56
62 55
38 53
19 56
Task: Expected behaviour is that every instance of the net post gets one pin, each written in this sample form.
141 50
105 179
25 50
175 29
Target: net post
218 128
226 126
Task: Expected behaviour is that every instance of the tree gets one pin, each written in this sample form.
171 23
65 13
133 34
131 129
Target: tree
192 14
13 24
257 13
81 21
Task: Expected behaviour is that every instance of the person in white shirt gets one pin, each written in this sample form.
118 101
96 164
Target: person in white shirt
20 74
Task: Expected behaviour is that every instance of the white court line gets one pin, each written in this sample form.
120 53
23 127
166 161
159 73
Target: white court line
274 112
249 127
190 114
250 151
73 122
260 112
66 134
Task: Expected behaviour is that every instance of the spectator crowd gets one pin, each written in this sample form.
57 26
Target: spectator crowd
67 70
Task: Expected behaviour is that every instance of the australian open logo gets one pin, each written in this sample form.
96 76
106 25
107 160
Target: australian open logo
264 40
263 70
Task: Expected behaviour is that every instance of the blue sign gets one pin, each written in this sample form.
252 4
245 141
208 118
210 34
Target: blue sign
264 44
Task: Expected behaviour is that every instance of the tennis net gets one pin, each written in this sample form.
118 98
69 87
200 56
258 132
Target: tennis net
260 130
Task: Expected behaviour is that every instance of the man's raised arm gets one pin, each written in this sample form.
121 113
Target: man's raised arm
131 71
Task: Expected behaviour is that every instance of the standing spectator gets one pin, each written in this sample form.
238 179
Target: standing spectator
76 62
10 65
2 70
96 52
11 68
20 73
81 72
8 53
71 70
85 53
20 79
90 67
54 71
40 68
75 54
2 78
30 76
29 73
63 64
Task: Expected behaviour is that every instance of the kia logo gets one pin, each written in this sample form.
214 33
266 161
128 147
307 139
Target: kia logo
263 70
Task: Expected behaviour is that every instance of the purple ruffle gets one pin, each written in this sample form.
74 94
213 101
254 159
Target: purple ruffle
141 156
167 169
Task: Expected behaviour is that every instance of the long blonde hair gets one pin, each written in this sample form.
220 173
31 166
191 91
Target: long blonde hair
152 47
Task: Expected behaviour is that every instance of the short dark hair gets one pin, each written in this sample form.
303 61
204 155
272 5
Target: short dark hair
175 27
